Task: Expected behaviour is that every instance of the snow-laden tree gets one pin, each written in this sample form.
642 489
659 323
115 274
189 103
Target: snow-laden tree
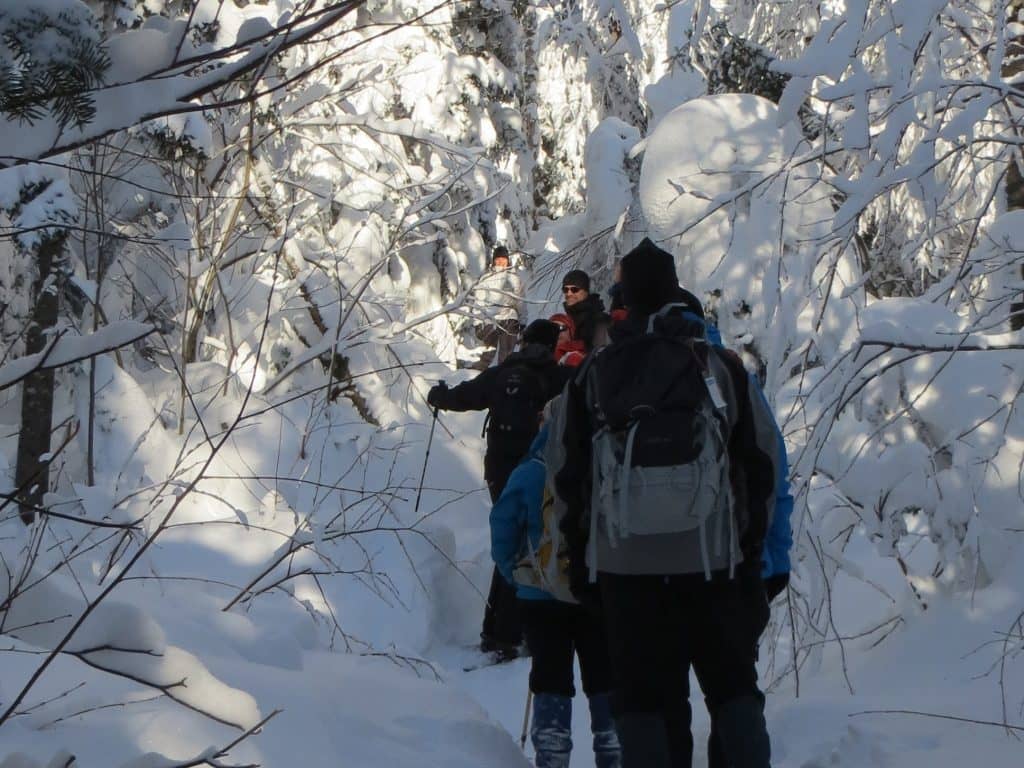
299 211
277 216
906 435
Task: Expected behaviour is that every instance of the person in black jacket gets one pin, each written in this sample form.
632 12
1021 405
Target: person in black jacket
585 309
668 603
513 394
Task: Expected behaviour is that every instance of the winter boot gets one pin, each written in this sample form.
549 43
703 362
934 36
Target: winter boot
607 753
644 740
551 731
743 733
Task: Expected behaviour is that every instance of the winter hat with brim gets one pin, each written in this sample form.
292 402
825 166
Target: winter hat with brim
579 278
542 332
649 279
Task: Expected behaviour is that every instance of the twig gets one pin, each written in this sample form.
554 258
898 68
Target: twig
935 715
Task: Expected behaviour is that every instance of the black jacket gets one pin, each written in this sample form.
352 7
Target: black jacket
488 391
586 315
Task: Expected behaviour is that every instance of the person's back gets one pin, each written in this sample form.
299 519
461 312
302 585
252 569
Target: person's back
666 407
557 632
674 565
513 394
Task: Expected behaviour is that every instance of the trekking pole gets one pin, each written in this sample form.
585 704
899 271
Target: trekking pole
526 719
426 458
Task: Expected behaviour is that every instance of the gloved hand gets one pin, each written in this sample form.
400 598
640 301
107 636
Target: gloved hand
437 394
775 585
571 359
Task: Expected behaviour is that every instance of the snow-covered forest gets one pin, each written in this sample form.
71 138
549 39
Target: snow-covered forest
241 239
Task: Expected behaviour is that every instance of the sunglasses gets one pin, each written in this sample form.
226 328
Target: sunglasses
571 289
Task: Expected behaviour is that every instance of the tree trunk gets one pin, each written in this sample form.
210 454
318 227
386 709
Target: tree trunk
32 473
1013 64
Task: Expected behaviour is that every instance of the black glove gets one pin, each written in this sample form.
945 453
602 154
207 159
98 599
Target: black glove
775 585
437 394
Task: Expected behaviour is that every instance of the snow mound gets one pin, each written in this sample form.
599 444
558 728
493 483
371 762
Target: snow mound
747 226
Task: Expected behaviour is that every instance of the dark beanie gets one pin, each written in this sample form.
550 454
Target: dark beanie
542 332
649 279
579 278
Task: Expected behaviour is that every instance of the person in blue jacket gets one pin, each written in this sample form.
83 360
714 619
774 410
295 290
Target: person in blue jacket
556 632
775 561
775 557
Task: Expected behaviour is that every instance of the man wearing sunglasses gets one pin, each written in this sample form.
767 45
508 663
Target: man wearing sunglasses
585 309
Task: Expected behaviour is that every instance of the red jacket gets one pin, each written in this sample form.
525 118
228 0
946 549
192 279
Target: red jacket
569 351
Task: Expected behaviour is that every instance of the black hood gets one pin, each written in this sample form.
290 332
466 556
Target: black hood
542 332
531 354
649 279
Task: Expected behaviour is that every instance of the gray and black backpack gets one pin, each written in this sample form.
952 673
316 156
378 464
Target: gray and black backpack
660 461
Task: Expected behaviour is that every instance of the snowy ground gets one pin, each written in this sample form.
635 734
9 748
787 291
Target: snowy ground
418 708
937 665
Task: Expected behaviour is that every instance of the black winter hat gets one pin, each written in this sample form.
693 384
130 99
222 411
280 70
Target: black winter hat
649 279
579 278
542 332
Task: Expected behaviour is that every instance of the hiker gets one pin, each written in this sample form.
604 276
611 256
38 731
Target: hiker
513 394
524 546
775 567
568 351
584 310
669 479
502 292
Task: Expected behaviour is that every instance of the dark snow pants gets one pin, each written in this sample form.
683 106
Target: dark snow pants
657 627
759 606
556 633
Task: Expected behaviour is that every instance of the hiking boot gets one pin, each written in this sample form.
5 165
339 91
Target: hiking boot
551 730
607 752
644 740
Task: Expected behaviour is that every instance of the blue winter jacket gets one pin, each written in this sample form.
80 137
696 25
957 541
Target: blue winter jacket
779 538
517 514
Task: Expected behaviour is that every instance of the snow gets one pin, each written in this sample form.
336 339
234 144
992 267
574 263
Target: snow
290 575
66 349
715 202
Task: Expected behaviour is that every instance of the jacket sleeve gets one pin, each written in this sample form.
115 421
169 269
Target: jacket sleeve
508 525
472 395
779 538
